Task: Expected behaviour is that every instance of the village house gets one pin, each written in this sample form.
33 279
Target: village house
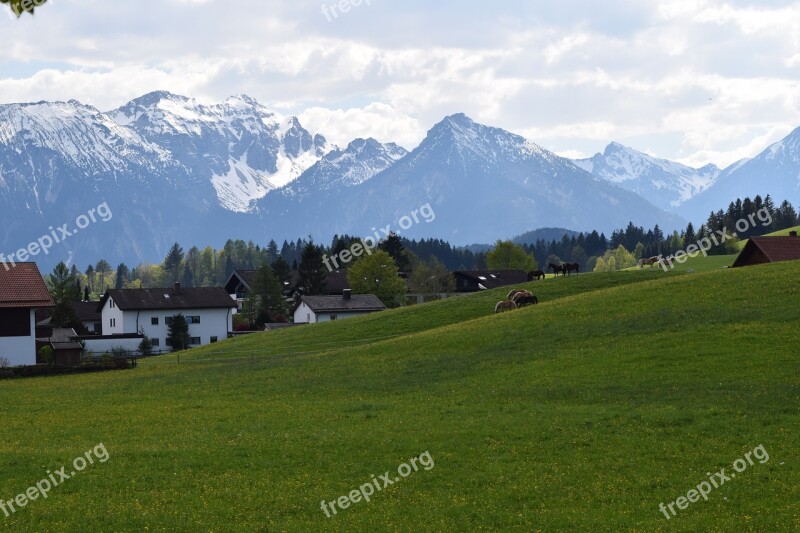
760 250
315 309
240 284
126 312
481 280
22 292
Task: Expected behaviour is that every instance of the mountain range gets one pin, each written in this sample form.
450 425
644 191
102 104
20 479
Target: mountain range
173 169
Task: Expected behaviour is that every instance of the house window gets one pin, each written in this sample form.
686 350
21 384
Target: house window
113 322
154 321
213 340
333 317
156 343
194 341
111 304
15 323
97 327
192 319
308 317
168 320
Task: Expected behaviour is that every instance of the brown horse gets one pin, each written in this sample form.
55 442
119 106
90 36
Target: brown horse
535 275
524 301
520 294
505 305
513 293
571 267
649 261
557 268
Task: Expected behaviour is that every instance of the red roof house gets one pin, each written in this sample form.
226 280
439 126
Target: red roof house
22 291
759 250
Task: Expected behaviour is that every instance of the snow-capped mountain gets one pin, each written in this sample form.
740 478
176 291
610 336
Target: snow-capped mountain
483 183
775 171
172 169
359 162
244 149
664 183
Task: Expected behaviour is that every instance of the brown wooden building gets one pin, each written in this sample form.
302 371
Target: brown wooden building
760 250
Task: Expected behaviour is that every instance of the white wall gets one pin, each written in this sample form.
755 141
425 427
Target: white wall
213 323
101 346
326 317
114 312
301 315
20 350
304 315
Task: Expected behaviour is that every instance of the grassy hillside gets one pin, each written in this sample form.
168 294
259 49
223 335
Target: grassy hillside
784 232
619 392
699 263
413 319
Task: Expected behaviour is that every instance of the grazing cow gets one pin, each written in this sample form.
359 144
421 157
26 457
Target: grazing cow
525 301
505 305
535 275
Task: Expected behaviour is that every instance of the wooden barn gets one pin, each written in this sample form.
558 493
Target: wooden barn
760 250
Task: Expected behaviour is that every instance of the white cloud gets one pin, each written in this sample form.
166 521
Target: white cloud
695 80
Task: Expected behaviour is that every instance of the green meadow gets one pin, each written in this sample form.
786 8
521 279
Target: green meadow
618 392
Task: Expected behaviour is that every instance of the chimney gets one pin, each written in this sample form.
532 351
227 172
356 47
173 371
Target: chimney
177 287
347 294
792 234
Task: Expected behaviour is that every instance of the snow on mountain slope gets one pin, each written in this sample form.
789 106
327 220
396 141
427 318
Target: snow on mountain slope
359 162
244 149
665 183
484 183
775 171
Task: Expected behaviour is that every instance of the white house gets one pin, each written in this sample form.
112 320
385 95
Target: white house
208 311
315 309
22 291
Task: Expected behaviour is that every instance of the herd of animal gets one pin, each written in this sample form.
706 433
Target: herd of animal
516 298
565 269
521 298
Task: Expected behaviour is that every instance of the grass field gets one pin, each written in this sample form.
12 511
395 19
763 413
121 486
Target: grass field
696 264
618 392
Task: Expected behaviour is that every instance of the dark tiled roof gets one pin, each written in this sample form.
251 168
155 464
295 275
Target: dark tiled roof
63 339
87 311
774 249
152 299
246 277
22 286
779 248
357 302
494 278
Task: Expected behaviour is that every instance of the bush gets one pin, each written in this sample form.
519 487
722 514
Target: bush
47 355
4 362
119 351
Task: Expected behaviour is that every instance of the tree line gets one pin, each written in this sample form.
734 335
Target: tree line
426 261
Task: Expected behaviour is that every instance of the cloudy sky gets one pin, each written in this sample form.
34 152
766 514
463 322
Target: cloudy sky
696 81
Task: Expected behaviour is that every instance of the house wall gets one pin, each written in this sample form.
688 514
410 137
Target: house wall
213 323
326 317
304 315
301 315
111 311
20 350
105 345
